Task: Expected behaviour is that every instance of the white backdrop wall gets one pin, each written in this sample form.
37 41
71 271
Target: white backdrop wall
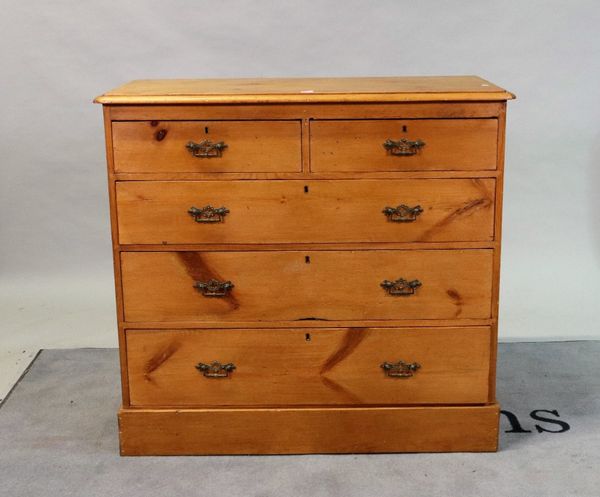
56 271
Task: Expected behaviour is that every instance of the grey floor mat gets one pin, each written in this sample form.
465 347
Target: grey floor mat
58 437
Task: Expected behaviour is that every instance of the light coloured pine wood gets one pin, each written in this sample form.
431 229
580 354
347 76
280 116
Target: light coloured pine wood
306 431
115 251
306 211
269 90
160 146
305 146
294 367
497 252
307 175
357 145
226 247
309 323
332 285
374 110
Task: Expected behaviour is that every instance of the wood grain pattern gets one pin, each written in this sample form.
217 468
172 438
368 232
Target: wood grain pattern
265 90
332 285
305 211
308 431
160 146
308 367
357 145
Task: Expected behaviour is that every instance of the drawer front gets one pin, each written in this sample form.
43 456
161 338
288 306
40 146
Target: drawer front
304 367
404 145
300 285
192 146
437 210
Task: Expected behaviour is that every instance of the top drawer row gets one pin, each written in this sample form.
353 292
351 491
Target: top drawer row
275 146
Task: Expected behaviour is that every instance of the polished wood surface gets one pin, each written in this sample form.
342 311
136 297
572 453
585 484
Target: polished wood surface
322 285
357 145
268 90
307 261
309 430
306 211
160 146
308 367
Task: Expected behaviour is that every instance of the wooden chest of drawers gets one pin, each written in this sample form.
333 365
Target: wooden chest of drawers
306 265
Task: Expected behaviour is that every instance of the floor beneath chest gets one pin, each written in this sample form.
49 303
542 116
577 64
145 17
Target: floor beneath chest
58 436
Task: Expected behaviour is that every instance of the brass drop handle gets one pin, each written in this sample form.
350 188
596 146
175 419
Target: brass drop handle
206 149
215 369
400 369
214 288
402 213
208 214
401 286
403 147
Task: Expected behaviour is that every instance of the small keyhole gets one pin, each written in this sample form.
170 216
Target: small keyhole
307 259
307 337
404 129
206 129
305 188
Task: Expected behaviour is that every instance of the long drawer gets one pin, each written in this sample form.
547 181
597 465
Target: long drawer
206 146
299 285
403 145
308 367
171 212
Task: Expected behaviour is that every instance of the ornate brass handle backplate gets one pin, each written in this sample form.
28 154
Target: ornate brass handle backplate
208 214
214 288
206 149
401 286
215 369
403 146
400 369
403 213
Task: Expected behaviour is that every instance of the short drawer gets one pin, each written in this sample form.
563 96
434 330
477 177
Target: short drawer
420 210
301 285
403 145
308 367
206 146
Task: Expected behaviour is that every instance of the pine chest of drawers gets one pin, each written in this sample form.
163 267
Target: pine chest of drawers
306 265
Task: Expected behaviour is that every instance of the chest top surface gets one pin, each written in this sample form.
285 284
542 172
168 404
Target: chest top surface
305 90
